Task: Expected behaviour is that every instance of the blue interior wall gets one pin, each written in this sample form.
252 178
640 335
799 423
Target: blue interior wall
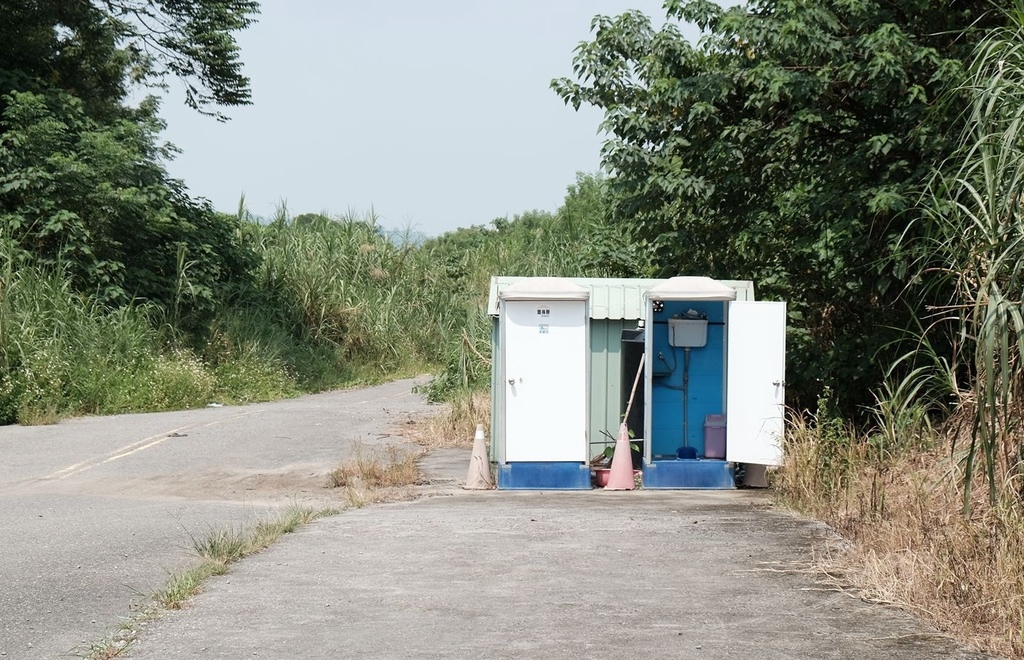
707 379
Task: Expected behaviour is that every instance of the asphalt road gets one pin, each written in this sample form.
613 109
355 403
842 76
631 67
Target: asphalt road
97 511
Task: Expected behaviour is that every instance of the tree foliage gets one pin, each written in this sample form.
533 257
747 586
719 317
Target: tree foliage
92 200
83 187
95 50
789 146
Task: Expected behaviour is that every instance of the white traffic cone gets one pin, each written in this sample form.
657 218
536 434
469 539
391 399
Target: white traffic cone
479 475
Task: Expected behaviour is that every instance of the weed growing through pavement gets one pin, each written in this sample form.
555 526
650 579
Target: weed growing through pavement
370 477
376 476
216 550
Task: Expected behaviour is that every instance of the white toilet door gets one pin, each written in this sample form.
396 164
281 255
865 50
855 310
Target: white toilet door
545 379
755 382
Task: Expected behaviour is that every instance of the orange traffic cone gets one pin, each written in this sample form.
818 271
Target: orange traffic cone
479 475
621 475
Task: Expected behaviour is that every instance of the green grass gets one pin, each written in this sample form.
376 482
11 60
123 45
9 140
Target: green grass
216 551
219 548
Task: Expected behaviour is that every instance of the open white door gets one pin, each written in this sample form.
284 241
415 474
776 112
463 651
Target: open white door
756 386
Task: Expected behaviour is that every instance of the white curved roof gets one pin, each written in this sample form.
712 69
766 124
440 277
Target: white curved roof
612 298
545 288
691 288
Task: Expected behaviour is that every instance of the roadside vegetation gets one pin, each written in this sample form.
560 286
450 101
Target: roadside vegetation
328 302
932 495
865 163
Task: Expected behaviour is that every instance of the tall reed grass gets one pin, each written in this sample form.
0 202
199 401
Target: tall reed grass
374 305
975 251
333 301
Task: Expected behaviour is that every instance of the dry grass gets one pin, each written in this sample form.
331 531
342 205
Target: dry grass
455 425
910 544
39 415
377 476
386 469
964 574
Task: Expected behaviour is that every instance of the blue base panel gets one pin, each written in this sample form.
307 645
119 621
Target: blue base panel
544 476
697 474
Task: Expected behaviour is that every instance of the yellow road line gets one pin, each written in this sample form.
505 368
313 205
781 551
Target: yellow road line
133 448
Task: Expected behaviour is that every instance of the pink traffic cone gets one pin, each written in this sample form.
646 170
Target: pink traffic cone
621 475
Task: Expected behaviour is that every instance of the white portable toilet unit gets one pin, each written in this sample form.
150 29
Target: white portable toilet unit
710 360
544 375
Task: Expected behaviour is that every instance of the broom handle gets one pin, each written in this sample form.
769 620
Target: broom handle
636 381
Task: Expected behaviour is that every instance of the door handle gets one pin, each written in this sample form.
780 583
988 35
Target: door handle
777 383
511 381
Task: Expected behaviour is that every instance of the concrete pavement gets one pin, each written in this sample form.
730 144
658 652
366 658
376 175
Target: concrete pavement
98 511
648 574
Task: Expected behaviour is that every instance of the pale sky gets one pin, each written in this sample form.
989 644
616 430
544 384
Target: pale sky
436 114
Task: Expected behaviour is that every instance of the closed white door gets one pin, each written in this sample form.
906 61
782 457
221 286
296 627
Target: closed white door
755 385
545 371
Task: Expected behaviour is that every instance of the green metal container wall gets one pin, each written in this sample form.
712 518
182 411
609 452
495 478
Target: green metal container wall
605 381
497 422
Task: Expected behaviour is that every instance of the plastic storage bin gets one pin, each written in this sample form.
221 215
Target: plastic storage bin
714 436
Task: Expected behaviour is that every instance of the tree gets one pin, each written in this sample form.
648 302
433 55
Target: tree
789 146
96 49
604 246
83 187
190 40
92 200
